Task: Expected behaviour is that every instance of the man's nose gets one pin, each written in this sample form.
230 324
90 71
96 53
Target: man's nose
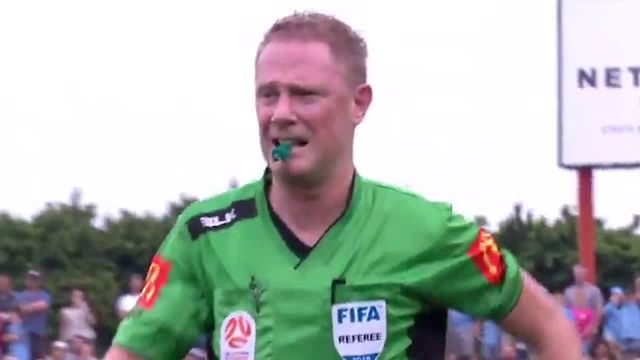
283 112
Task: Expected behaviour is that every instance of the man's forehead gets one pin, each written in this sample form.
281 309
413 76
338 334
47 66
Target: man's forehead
295 51
301 77
296 61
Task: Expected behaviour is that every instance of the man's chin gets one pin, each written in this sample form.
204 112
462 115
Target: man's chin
292 170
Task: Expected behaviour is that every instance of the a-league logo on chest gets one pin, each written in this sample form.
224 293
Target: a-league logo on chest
238 337
359 329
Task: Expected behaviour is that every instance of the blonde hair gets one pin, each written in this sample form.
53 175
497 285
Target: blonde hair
347 46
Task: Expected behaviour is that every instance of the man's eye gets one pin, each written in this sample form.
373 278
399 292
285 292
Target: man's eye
306 93
269 94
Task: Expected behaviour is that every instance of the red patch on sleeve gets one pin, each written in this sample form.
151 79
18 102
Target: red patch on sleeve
157 278
488 258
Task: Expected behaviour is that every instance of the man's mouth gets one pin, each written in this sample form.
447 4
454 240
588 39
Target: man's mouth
294 142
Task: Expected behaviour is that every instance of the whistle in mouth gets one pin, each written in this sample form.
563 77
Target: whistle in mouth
282 152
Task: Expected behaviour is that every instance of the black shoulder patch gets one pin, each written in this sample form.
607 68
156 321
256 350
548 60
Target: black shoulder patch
223 218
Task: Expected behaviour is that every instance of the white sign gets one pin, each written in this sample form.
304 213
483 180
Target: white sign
599 69
359 329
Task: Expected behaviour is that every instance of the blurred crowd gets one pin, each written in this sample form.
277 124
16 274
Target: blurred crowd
24 322
610 329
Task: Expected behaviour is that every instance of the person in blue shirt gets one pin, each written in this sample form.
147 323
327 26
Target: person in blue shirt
16 336
34 305
611 321
630 323
491 340
461 334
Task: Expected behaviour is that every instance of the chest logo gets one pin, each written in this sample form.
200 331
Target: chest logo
359 329
238 337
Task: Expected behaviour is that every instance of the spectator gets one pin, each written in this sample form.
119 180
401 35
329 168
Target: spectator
34 304
491 340
585 318
594 298
196 354
512 347
611 318
630 324
2 325
509 352
461 332
16 336
7 303
7 296
87 349
600 350
127 302
75 348
77 318
58 351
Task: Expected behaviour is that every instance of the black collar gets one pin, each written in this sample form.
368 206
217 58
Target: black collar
300 249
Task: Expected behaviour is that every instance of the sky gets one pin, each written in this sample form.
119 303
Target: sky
137 102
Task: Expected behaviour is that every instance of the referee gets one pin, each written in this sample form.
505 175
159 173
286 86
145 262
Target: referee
313 261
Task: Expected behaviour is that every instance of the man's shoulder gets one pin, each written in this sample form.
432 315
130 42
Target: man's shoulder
594 290
406 200
590 288
220 211
27 295
223 200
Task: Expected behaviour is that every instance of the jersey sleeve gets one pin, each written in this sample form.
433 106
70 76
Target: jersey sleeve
468 271
171 311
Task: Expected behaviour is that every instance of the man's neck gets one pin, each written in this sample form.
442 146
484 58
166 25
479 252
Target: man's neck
308 210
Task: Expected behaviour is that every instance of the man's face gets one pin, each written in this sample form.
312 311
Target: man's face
5 284
302 96
77 297
76 345
579 274
616 298
33 283
58 353
86 348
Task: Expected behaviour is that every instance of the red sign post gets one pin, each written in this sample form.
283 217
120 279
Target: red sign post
586 222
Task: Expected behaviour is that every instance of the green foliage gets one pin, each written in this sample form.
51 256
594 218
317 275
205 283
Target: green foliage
74 248
70 247
548 249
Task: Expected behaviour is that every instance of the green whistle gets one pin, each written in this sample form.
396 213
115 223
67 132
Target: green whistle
282 151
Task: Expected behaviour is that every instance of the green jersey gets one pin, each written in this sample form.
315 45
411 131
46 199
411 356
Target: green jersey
376 286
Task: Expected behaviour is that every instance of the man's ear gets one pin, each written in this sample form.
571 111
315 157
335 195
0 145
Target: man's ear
362 100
